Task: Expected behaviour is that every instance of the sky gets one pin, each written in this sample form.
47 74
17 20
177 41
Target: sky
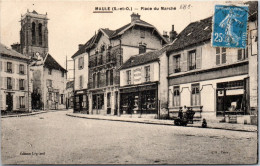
73 22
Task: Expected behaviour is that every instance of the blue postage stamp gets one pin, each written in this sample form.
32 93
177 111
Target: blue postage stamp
230 26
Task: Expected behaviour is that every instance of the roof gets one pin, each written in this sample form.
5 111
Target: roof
69 84
51 63
253 10
194 33
114 33
12 53
144 58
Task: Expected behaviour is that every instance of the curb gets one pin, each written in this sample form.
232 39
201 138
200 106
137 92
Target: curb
20 115
155 123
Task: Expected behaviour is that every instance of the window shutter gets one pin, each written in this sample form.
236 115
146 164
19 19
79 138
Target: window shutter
171 64
17 102
17 68
174 64
1 82
82 62
25 69
17 84
79 63
152 73
13 83
82 81
1 65
184 61
5 83
5 66
26 103
198 57
25 85
13 67
1 101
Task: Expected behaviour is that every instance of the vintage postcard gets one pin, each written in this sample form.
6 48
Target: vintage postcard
127 82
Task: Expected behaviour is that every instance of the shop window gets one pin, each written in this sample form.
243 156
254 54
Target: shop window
22 101
195 94
176 96
192 59
147 73
81 63
128 73
142 48
9 83
9 67
21 84
242 54
176 63
220 55
21 69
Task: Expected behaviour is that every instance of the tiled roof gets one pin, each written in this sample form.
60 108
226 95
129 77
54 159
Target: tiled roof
144 58
116 32
51 63
9 52
194 33
107 31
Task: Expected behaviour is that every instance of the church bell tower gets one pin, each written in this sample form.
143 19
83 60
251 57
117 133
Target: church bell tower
34 34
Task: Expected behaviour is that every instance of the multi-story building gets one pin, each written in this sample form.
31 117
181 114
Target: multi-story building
143 84
14 71
215 82
107 51
49 77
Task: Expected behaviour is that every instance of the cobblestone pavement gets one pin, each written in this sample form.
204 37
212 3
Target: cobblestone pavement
54 138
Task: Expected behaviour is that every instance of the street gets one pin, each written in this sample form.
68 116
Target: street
54 138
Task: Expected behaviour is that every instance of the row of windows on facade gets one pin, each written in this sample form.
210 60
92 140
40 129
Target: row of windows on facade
220 58
36 31
10 68
55 97
97 79
10 83
50 72
195 95
100 61
147 75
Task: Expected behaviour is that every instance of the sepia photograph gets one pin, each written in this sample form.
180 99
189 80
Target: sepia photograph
125 82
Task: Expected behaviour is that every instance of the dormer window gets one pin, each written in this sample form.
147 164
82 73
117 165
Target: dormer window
142 33
102 49
49 71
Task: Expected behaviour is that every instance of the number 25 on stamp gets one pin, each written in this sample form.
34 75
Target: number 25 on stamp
230 26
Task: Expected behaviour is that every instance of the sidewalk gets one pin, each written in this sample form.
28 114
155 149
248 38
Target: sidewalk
23 114
212 125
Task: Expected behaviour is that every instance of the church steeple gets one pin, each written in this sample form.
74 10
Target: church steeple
34 34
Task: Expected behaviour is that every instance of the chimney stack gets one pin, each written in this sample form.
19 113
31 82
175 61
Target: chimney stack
173 34
135 17
80 45
165 35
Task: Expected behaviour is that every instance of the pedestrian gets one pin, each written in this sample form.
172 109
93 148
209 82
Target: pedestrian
204 123
180 114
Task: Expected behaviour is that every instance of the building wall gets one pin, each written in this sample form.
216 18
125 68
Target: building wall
81 72
58 84
15 76
139 71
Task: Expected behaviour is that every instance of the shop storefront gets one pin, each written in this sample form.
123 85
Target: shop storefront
139 99
232 98
81 102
